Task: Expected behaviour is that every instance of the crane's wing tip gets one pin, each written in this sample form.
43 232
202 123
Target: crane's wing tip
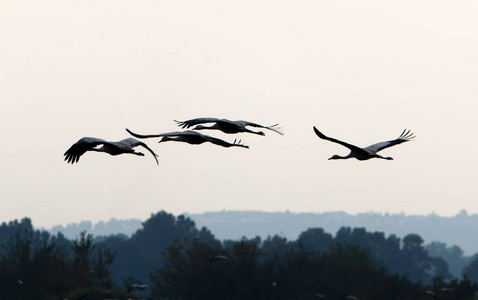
319 134
406 135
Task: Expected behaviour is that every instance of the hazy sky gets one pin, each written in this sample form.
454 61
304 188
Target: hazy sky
360 71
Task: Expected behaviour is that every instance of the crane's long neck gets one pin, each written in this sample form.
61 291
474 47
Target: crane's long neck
340 157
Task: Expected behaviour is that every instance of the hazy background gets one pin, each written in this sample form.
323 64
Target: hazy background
360 71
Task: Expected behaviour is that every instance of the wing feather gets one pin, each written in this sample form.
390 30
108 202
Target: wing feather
192 122
405 136
350 146
174 133
73 154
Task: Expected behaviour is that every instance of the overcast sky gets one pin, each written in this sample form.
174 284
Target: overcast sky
360 71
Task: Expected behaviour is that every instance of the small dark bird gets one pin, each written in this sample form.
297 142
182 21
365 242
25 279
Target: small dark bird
218 257
136 286
78 298
73 154
431 294
190 137
370 151
227 126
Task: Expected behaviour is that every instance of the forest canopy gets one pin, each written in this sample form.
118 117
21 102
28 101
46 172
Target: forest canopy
177 260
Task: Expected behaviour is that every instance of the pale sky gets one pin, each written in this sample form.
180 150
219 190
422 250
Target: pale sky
360 71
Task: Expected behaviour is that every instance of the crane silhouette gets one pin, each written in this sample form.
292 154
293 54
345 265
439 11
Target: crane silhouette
85 144
370 151
190 137
77 298
136 286
227 126
217 257
431 294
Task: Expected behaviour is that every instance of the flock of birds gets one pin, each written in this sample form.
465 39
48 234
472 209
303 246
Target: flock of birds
192 136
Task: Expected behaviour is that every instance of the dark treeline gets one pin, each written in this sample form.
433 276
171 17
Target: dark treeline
172 256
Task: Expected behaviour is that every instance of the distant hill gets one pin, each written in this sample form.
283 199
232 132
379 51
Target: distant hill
457 230
113 226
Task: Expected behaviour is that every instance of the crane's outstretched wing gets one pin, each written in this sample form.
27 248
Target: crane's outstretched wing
271 127
174 133
350 146
192 122
134 142
239 123
73 154
404 137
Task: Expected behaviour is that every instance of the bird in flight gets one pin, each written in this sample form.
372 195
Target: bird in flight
370 151
73 154
217 257
190 137
136 286
431 294
227 126
78 298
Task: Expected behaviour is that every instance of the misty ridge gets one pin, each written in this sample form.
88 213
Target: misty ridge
455 230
